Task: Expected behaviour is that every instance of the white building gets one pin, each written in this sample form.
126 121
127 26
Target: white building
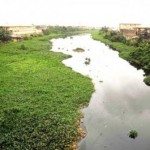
20 30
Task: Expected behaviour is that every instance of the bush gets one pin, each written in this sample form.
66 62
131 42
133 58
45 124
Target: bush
4 35
79 50
104 29
23 47
147 80
142 56
136 42
115 37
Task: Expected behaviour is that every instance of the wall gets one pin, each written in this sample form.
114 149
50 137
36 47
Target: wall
128 30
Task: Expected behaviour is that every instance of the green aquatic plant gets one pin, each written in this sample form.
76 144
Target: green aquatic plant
40 97
147 80
79 50
133 134
87 61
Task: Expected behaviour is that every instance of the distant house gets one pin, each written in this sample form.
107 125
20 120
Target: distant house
129 29
18 31
134 30
143 32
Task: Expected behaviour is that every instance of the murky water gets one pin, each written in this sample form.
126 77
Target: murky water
121 101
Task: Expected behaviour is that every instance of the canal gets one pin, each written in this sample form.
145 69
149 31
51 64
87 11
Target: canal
121 101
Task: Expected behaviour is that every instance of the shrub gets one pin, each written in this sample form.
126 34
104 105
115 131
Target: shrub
147 80
78 50
142 56
133 134
136 42
115 37
104 29
4 35
23 47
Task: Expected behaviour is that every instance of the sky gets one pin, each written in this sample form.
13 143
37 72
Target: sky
75 12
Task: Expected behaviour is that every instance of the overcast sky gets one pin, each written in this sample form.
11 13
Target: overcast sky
75 12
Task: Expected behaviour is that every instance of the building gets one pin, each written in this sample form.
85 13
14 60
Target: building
18 31
143 32
129 30
134 30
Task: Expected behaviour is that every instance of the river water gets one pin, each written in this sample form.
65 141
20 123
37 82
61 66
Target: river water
121 101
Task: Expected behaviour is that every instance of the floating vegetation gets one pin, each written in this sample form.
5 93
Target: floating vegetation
87 61
39 118
79 50
133 134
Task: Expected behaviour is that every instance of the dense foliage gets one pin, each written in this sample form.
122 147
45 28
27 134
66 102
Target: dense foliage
133 134
115 36
4 35
147 80
61 30
39 97
141 56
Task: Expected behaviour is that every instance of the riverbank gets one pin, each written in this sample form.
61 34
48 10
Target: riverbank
40 97
125 52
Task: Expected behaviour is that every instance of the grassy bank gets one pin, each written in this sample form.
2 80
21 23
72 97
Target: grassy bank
123 49
40 97
139 57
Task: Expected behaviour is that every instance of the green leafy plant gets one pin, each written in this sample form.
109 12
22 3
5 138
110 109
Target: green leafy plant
23 47
40 97
147 80
79 50
133 134
87 61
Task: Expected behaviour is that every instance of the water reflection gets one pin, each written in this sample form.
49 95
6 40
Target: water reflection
121 101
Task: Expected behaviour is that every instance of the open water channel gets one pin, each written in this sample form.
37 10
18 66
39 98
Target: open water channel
121 101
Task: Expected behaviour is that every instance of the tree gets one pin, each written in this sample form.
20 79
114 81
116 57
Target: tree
104 29
4 35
